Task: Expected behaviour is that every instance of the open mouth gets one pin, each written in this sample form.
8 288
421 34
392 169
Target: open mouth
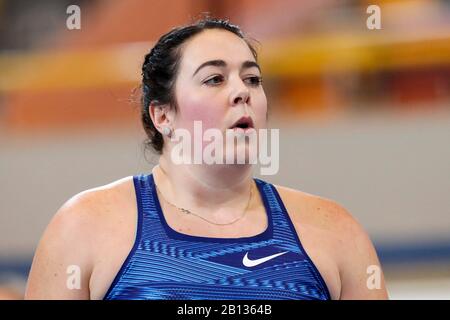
244 123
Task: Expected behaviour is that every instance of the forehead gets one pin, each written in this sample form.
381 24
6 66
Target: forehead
214 44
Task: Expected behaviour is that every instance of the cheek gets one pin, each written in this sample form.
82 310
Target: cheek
260 110
200 109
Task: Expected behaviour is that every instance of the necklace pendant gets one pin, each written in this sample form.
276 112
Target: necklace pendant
185 211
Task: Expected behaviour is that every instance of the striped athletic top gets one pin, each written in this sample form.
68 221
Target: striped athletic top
167 264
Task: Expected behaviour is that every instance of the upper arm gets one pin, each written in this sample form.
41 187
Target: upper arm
359 267
62 263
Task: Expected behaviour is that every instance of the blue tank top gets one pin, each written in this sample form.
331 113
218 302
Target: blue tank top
167 264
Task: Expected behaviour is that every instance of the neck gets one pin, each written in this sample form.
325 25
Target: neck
216 191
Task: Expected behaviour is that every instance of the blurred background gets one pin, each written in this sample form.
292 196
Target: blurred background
364 115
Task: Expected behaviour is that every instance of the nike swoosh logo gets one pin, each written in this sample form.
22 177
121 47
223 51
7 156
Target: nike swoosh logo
252 263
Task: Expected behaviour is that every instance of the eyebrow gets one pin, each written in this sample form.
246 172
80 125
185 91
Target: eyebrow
221 63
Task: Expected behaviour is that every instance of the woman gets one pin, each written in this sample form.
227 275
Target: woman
202 231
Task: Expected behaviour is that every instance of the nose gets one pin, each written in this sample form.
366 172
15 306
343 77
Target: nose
241 94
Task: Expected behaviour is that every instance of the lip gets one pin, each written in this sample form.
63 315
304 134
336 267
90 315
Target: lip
243 120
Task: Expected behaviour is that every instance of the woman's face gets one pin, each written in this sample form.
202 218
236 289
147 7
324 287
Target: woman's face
221 93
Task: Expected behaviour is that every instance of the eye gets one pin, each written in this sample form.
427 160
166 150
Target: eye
254 81
214 80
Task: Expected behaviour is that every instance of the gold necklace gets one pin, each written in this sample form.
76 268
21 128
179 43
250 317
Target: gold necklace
186 211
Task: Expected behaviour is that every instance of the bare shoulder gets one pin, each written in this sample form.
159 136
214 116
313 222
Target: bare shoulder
321 212
101 197
343 238
71 237
83 213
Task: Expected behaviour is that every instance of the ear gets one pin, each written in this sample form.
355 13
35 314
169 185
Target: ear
161 115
